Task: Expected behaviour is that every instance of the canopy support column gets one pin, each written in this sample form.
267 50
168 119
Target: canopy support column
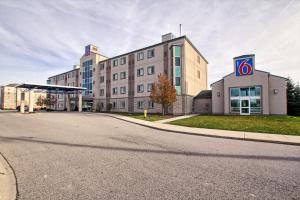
68 103
79 101
31 101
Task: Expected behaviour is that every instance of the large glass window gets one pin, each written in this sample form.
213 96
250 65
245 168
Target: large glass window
87 77
244 92
245 100
234 92
255 106
177 59
235 105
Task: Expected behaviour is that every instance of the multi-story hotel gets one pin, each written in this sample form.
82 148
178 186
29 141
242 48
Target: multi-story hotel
123 83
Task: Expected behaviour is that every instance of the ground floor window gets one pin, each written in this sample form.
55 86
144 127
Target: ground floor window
245 100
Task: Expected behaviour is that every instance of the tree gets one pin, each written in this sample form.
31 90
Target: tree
163 92
40 101
290 86
293 98
50 100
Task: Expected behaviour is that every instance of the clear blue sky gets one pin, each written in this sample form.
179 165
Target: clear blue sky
40 38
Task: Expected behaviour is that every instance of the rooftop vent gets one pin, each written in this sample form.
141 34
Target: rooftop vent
168 36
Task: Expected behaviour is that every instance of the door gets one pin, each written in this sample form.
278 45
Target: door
245 109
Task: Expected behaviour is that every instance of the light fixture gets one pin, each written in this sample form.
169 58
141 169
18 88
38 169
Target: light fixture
275 91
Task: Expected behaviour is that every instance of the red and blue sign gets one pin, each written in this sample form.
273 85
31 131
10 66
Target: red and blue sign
244 66
87 50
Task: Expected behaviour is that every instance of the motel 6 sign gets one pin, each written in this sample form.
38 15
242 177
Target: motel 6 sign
244 65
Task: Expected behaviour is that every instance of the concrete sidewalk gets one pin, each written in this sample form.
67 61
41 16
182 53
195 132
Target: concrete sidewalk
239 135
8 189
175 118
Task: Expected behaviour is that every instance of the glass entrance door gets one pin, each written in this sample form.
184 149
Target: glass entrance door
245 107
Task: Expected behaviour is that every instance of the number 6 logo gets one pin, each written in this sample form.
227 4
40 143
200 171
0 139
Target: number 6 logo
244 67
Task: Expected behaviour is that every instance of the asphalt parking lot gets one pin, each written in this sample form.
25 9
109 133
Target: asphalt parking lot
91 156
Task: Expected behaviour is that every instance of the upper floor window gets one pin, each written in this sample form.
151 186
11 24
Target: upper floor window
150 53
122 75
198 74
123 61
140 88
101 79
115 63
198 59
149 87
140 72
140 56
101 92
123 90
115 76
115 90
150 70
102 66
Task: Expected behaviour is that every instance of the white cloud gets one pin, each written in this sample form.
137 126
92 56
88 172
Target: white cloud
41 38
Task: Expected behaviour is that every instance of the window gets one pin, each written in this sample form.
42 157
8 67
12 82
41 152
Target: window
140 88
244 92
101 66
122 104
149 87
101 92
123 75
177 79
101 79
140 72
177 61
198 59
255 106
150 53
177 71
198 74
114 104
115 76
255 91
235 105
235 92
123 61
115 90
150 70
140 56
245 100
123 90
140 104
115 63
150 104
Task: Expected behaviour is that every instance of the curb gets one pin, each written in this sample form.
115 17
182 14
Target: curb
8 180
206 135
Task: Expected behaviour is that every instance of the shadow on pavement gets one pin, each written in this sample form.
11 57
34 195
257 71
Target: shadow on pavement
153 151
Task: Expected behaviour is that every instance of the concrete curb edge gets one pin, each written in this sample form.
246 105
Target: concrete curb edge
13 177
206 135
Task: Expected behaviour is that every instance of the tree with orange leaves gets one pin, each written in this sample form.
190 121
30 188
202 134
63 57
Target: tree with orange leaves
163 92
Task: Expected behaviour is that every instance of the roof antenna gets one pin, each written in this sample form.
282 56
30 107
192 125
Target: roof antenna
179 30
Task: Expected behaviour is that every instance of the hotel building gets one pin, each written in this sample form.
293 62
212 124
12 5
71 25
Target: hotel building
123 83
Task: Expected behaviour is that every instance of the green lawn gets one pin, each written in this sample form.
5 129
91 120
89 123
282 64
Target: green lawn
287 125
150 117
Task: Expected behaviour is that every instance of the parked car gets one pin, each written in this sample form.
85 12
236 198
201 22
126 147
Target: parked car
26 108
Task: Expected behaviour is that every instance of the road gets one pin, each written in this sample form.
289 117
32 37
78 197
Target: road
91 156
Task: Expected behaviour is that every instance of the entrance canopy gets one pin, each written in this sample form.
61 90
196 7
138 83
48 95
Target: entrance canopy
50 88
57 89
